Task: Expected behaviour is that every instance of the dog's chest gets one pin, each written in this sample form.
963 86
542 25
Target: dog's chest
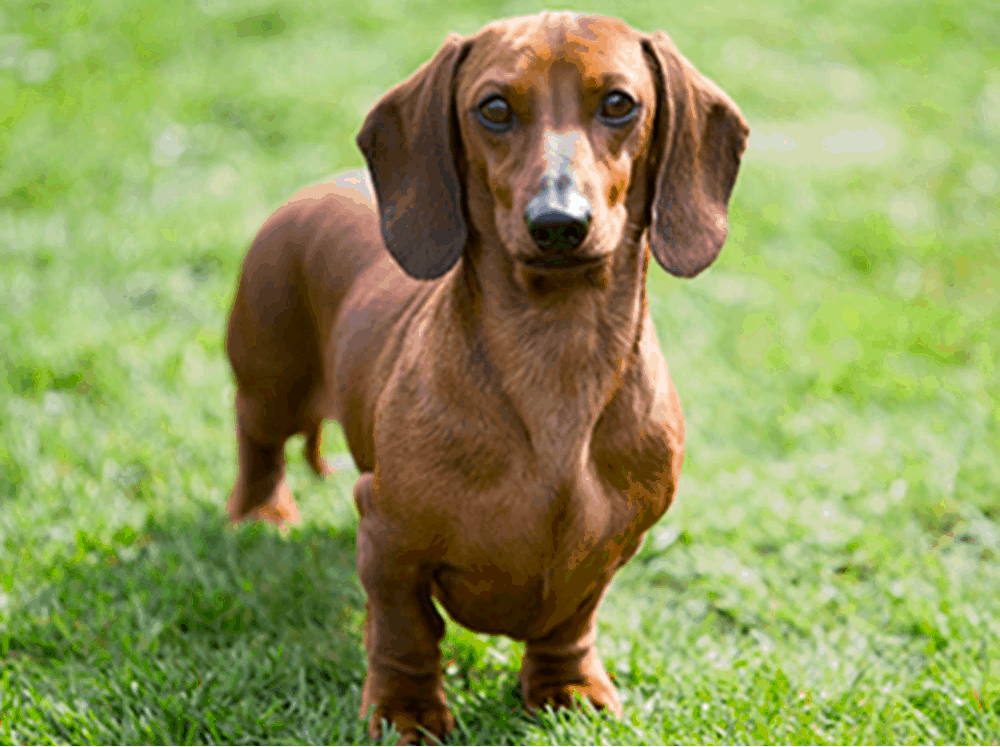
534 503
539 558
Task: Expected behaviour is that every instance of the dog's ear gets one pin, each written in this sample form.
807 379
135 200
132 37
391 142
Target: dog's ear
700 138
410 142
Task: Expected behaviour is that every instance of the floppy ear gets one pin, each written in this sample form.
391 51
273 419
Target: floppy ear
700 139
409 141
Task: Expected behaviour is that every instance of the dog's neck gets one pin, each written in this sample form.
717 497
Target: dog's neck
556 347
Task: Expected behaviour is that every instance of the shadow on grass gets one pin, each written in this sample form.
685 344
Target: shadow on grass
192 632
192 579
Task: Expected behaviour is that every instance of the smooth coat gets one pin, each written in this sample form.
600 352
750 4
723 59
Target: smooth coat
516 427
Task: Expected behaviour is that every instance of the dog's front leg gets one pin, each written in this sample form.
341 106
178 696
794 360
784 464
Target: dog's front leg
565 664
402 633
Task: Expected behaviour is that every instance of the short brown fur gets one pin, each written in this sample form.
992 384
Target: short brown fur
516 428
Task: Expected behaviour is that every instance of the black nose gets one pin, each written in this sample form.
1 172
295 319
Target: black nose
558 218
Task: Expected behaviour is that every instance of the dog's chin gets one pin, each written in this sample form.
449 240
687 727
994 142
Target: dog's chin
541 274
568 262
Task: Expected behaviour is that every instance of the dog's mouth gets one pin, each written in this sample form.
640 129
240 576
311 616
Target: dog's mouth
562 263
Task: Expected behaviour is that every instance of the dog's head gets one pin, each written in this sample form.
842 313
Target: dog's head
560 135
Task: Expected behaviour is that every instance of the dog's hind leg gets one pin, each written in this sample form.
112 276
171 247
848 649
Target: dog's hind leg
296 274
261 491
271 344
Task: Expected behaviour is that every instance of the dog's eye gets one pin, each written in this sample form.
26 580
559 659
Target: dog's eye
617 108
496 112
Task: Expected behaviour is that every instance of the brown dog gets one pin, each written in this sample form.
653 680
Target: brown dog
482 335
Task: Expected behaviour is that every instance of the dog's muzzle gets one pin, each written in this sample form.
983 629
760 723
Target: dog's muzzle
558 218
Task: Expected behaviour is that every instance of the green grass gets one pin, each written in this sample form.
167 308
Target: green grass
831 572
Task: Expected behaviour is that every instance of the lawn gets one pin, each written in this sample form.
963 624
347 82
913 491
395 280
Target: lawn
831 570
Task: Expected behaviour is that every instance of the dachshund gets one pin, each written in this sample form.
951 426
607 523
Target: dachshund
472 309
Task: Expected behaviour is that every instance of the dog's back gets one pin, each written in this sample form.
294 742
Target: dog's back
298 271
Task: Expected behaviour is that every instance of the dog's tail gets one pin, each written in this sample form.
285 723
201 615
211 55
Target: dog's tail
312 450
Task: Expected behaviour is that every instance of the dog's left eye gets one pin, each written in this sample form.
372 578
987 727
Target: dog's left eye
617 108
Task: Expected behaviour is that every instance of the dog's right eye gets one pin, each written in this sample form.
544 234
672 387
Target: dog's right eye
496 113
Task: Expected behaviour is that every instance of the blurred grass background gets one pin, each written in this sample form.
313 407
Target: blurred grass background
830 573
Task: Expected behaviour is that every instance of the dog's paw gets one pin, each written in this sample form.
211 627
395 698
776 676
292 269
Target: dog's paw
600 695
280 516
415 705
549 682
280 510
429 722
